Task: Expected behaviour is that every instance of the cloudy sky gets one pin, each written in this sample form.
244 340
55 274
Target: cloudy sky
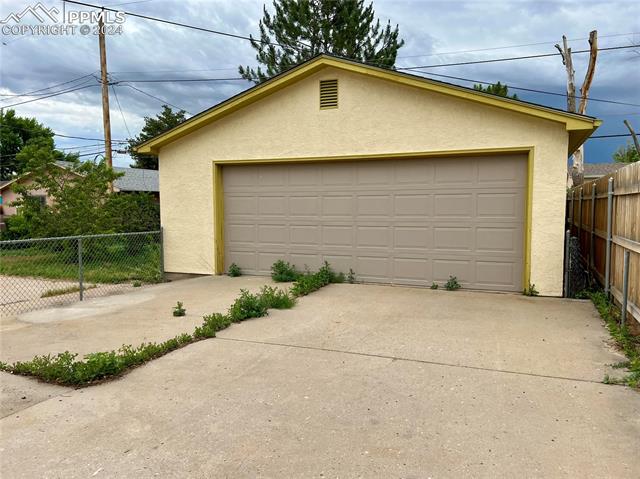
436 32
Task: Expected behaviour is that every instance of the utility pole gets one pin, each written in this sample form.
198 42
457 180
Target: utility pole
565 52
106 120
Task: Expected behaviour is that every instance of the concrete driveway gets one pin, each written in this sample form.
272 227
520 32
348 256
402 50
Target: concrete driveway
355 381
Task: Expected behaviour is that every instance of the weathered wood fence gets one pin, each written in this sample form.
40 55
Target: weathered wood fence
605 216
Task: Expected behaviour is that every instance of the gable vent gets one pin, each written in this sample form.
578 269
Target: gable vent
328 94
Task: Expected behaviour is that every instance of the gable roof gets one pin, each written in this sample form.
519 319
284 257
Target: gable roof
134 179
578 126
596 170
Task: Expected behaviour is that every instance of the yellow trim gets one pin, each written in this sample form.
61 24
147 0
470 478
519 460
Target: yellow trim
578 126
218 220
218 193
526 272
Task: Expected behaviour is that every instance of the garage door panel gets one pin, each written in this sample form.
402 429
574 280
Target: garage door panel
337 206
420 205
457 238
304 206
414 237
337 235
391 221
453 205
304 235
374 205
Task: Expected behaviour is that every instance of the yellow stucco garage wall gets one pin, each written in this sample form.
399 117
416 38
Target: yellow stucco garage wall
374 117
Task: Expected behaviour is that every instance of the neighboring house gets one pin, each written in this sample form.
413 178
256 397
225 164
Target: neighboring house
593 171
406 180
134 180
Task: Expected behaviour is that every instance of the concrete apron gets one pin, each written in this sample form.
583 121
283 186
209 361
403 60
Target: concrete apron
355 381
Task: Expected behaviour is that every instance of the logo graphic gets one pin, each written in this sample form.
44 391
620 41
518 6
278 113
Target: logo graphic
38 11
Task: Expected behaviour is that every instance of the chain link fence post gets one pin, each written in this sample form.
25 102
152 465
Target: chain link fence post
80 270
162 277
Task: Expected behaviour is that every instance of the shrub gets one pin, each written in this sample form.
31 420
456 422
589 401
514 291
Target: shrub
274 298
434 285
452 284
283 272
212 324
309 282
530 290
246 306
626 342
351 277
178 310
65 369
234 270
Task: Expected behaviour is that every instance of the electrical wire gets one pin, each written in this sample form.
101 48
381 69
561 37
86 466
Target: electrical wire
512 46
34 92
186 25
50 96
507 59
165 102
121 112
532 90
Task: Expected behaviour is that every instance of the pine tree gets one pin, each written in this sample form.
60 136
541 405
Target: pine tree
302 29
496 89
163 121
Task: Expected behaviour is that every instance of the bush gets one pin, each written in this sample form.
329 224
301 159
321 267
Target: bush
246 306
530 290
234 270
212 324
283 272
351 277
65 369
452 284
434 285
178 310
274 298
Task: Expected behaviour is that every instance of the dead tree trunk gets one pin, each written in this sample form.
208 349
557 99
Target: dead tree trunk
577 164
633 135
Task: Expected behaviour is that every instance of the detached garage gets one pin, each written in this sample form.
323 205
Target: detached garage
402 179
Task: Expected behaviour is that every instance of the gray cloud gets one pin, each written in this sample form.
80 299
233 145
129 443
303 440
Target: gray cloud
148 50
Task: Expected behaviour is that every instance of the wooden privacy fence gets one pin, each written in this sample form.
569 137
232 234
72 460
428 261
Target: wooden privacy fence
605 217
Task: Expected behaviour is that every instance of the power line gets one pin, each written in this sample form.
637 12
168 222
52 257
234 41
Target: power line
507 59
533 90
171 80
186 25
512 46
32 93
88 139
611 136
49 96
121 112
165 102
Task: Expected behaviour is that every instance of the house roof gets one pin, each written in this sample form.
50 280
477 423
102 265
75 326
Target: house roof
596 170
578 126
134 179
137 179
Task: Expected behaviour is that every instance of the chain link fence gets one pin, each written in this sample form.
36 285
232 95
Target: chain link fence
577 275
42 272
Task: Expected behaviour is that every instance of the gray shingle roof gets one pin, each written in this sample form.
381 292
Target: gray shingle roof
137 179
596 170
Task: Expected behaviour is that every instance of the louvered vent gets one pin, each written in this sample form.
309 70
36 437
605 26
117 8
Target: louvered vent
328 94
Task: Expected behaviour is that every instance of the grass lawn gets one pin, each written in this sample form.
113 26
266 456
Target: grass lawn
110 263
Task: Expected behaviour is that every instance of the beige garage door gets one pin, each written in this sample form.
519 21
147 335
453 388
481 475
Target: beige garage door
393 221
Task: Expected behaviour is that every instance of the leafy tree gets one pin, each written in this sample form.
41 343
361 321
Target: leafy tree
496 89
626 154
162 122
302 29
78 196
15 134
